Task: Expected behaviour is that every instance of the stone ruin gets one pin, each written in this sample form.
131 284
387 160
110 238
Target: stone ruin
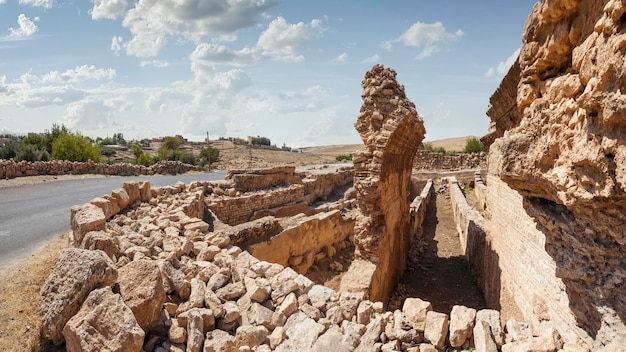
221 266
557 170
391 131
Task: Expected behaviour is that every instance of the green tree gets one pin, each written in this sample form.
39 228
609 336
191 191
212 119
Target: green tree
169 149
52 135
74 147
137 151
9 150
30 152
210 154
473 145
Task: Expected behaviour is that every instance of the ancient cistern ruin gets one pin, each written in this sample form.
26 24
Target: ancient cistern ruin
314 260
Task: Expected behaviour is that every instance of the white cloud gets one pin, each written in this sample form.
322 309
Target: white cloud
214 54
429 37
151 21
281 41
80 73
341 58
109 9
38 3
94 112
26 29
504 66
116 44
372 59
3 2
155 63
146 45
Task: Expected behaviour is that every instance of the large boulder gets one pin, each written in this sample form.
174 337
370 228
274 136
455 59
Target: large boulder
141 287
104 323
77 272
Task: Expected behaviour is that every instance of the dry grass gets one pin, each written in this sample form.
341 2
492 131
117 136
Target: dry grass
20 327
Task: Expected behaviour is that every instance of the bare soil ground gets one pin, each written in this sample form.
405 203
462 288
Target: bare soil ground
437 270
20 327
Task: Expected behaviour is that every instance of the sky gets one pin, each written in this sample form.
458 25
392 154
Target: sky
287 70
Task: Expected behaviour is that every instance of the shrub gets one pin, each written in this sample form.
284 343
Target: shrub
9 150
169 149
343 157
29 152
187 159
74 147
145 160
473 145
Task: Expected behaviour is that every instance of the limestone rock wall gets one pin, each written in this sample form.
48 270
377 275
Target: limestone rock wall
567 160
11 169
252 194
430 161
391 131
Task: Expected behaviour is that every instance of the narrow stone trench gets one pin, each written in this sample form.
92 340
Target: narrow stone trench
437 270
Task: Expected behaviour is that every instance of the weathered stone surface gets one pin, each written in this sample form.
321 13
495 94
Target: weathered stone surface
302 331
518 331
492 318
331 341
195 331
392 132
109 208
85 218
250 336
103 323
219 341
121 197
415 311
103 241
76 273
564 152
461 324
483 338
371 335
436 328
141 286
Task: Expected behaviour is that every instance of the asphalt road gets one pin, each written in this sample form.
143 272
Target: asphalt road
32 215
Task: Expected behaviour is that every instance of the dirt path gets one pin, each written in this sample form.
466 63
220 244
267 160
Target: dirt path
442 276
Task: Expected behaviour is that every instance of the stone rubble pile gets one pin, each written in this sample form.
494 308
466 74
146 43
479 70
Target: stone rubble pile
147 274
11 169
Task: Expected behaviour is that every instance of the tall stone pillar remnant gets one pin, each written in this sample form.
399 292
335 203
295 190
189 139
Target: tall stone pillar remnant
392 132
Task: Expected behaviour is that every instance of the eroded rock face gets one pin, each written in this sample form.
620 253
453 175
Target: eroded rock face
104 323
391 131
77 272
567 153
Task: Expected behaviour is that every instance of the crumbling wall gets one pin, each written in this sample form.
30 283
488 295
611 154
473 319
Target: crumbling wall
567 160
391 131
11 169
250 180
234 210
297 245
431 161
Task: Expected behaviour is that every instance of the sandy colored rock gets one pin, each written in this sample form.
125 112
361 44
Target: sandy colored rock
103 323
391 131
483 338
103 241
109 207
461 324
141 286
121 197
492 318
559 115
302 331
436 329
76 273
415 311
85 218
